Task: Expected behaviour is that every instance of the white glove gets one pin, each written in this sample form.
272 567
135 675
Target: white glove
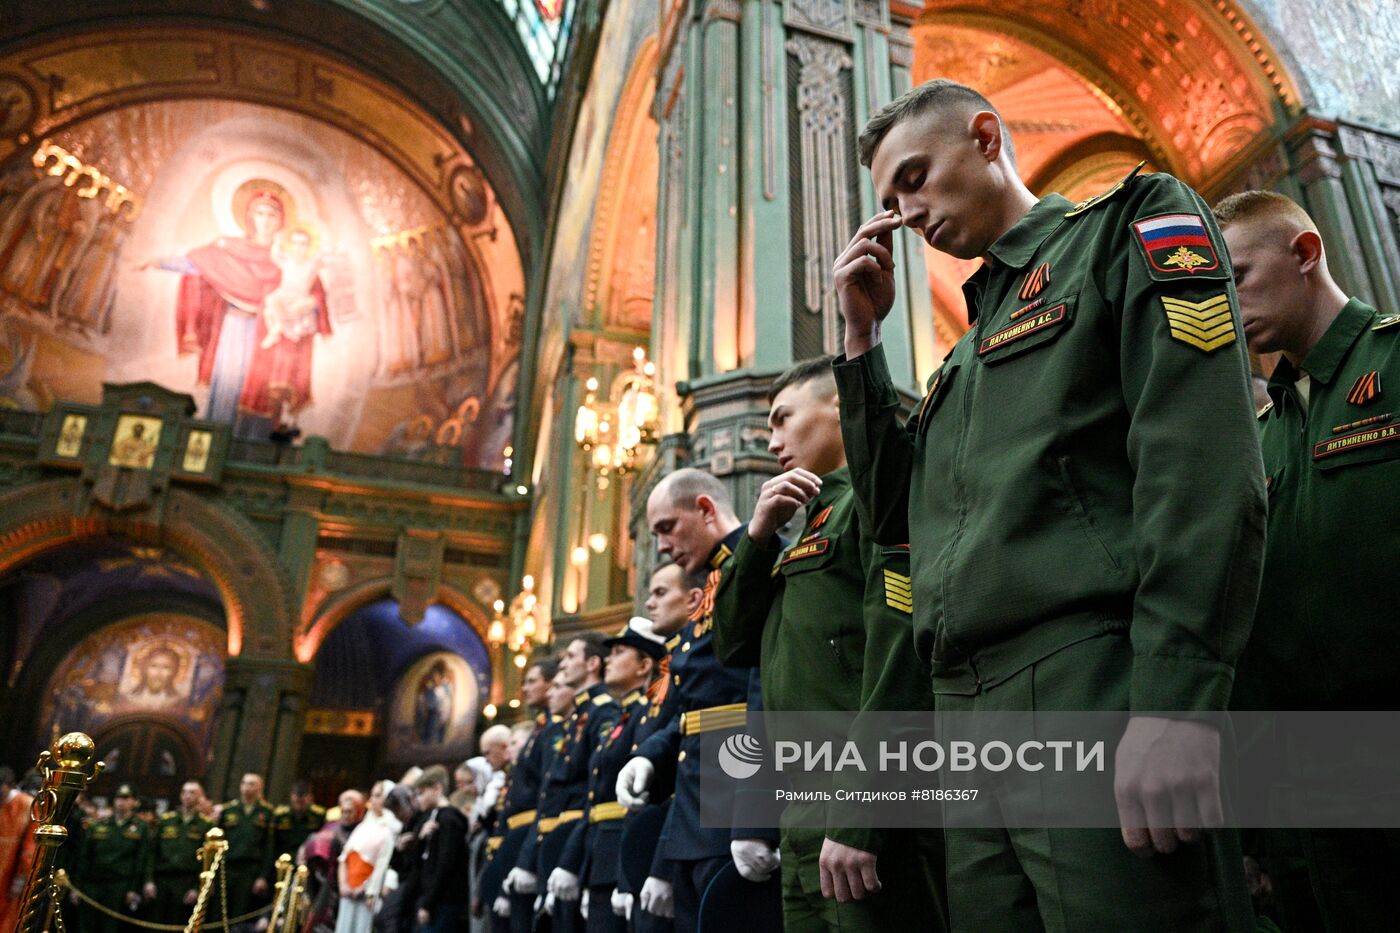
656 898
583 904
520 881
549 904
539 903
501 906
633 781
563 885
622 904
755 859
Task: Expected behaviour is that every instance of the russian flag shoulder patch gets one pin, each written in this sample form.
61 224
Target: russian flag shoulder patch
1176 245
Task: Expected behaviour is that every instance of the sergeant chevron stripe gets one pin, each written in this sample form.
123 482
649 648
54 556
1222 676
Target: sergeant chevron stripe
899 592
1206 325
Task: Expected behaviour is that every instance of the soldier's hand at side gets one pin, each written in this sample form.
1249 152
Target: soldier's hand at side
756 859
190 897
656 898
847 873
779 499
633 781
501 906
583 904
260 887
424 918
864 278
149 891
563 884
1166 783
622 904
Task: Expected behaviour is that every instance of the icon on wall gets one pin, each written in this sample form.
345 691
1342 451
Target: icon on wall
134 445
70 438
197 452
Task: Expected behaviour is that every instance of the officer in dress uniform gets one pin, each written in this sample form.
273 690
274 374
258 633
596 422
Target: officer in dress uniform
1324 634
674 595
172 875
295 820
828 623
514 812
693 521
247 825
564 786
112 864
590 859
1050 487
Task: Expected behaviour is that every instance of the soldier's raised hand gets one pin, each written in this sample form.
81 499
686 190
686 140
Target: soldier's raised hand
779 499
864 279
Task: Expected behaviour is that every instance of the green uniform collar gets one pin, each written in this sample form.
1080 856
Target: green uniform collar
833 484
1016 247
1325 358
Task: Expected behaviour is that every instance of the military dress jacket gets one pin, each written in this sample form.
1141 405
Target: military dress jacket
115 854
1324 635
249 835
290 829
1084 459
174 853
699 681
564 775
827 621
595 841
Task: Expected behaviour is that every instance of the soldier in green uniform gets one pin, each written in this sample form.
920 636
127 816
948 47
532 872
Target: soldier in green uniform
110 866
827 622
247 825
295 820
172 868
1324 635
1082 492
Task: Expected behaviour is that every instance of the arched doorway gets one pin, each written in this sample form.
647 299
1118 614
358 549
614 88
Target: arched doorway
388 696
1090 88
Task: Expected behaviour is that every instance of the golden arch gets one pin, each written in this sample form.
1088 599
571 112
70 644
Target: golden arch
338 607
221 544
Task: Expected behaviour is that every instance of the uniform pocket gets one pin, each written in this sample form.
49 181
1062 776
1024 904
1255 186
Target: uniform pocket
807 555
1363 445
1079 506
1029 332
937 391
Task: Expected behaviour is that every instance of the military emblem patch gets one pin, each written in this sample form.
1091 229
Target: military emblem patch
899 592
1176 244
1366 389
1206 325
1035 282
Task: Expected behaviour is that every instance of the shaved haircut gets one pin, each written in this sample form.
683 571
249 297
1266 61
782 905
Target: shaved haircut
816 370
1255 206
939 97
684 487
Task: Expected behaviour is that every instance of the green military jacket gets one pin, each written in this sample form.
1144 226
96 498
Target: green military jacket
1324 636
1084 459
175 850
249 834
827 621
290 829
115 855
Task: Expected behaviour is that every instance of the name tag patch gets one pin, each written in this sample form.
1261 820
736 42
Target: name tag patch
1019 331
1346 442
810 549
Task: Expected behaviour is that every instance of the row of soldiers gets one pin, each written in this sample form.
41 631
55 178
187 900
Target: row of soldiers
149 868
1076 516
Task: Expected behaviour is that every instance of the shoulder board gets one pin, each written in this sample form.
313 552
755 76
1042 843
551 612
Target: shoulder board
169 815
317 809
674 641
229 803
1268 407
282 809
1098 199
602 699
1387 322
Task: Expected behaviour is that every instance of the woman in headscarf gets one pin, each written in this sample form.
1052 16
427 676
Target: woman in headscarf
364 862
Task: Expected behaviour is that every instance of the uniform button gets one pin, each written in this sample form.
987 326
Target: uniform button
676 678
685 646
680 757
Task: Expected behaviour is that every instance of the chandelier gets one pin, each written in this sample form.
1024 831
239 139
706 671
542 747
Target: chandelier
613 430
516 628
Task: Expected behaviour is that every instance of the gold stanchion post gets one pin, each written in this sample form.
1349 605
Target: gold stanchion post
211 856
281 890
67 767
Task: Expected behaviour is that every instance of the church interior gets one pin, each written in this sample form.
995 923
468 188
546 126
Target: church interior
341 342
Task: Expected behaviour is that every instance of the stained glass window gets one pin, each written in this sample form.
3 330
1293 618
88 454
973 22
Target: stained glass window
544 28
